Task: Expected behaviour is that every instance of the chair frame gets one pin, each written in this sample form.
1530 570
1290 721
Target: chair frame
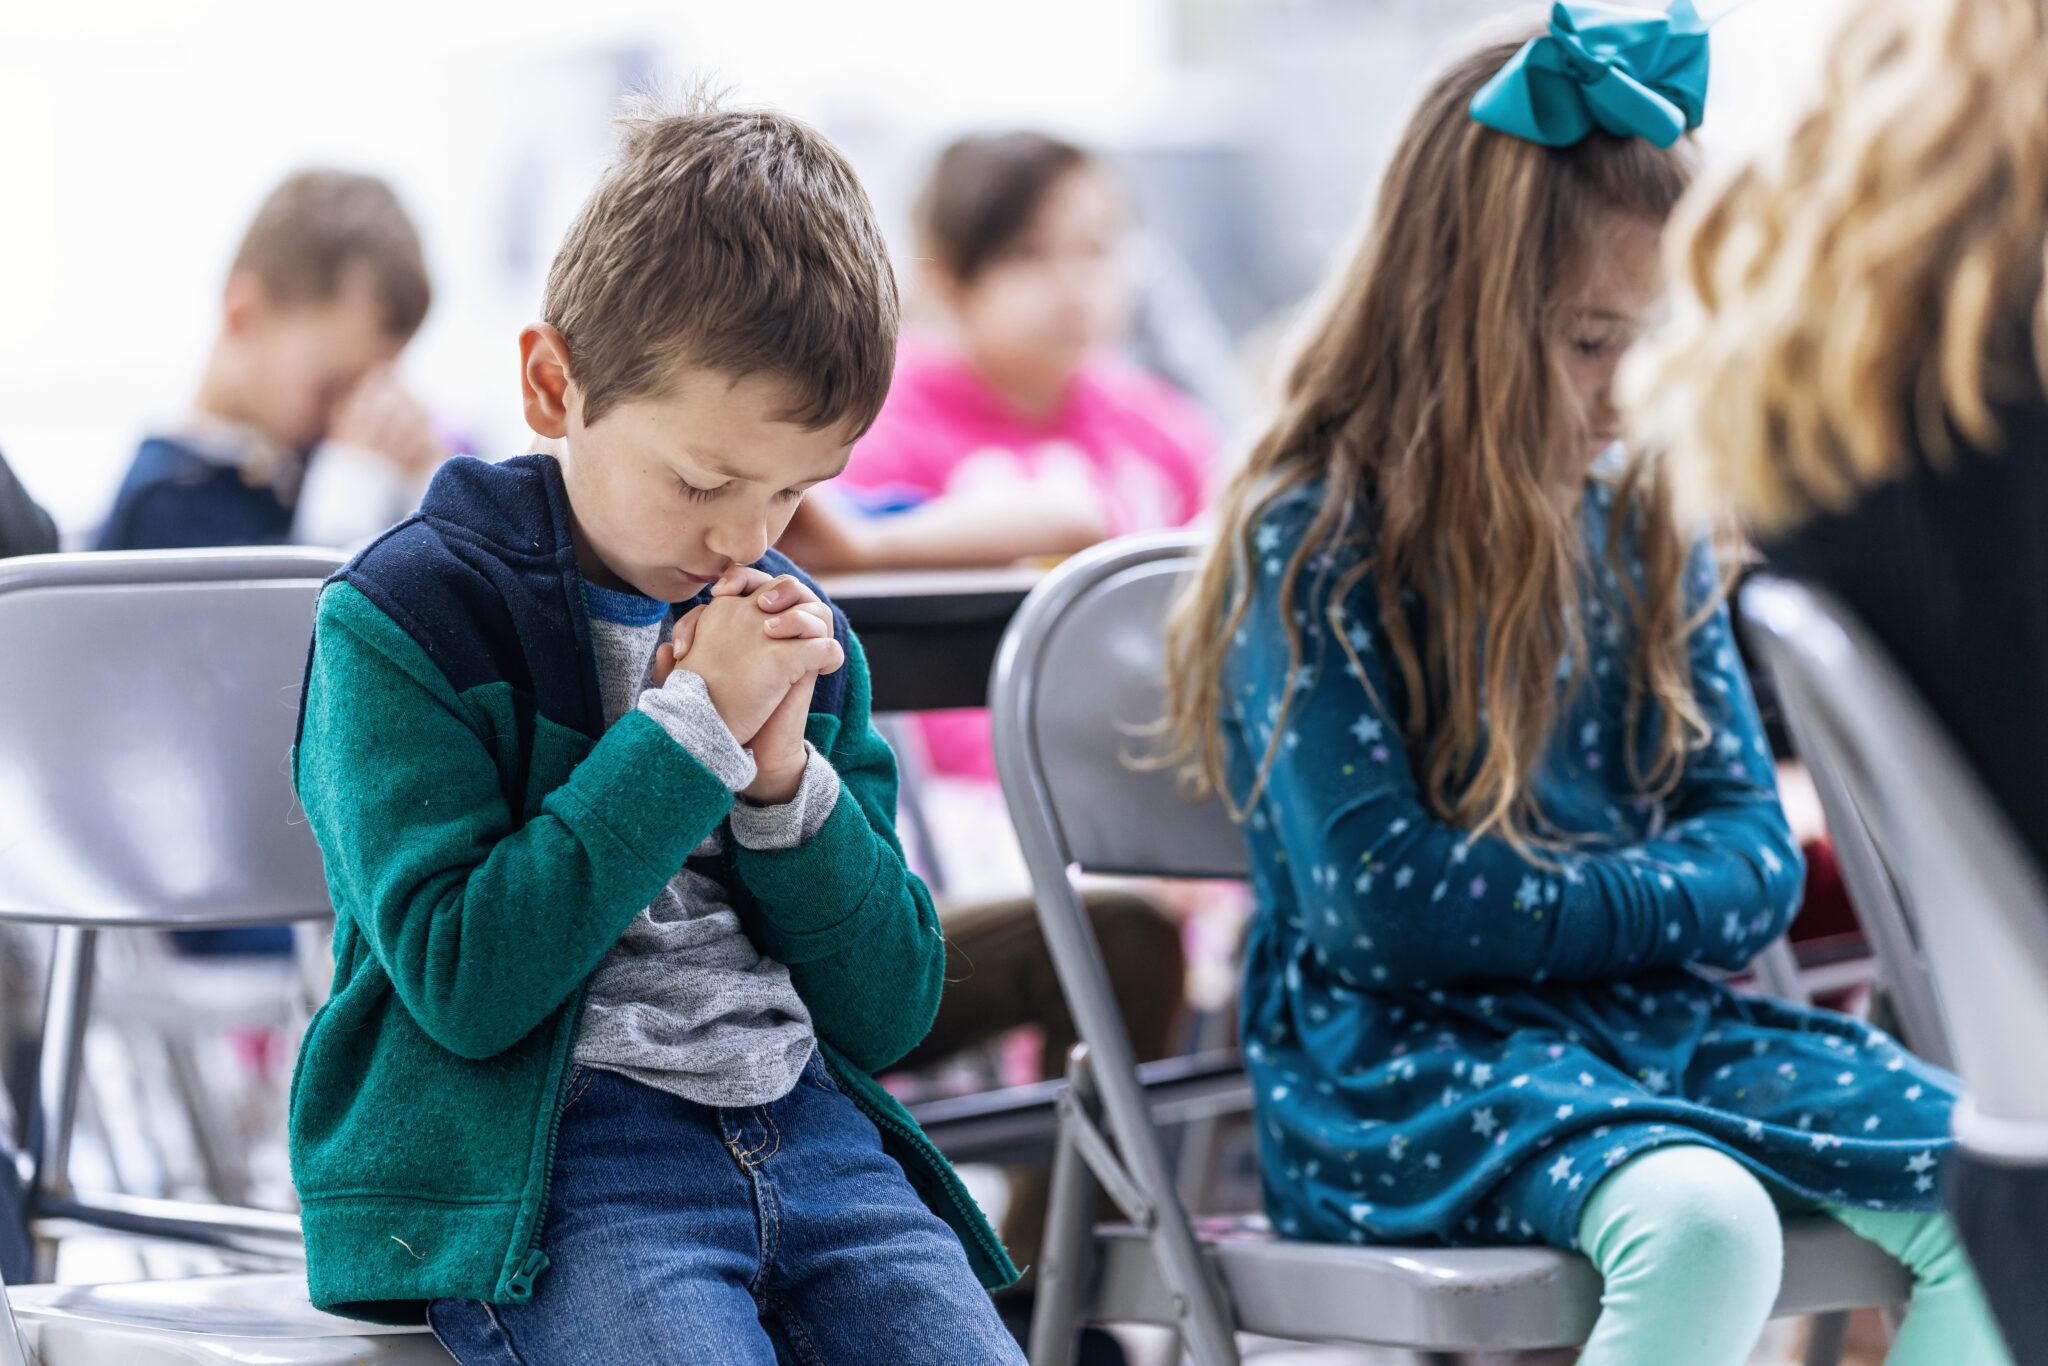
1106 1139
68 1001
1911 805
1143 1189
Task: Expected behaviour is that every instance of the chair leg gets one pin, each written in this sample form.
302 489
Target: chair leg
1069 1236
1200 1309
1826 1335
13 1351
66 1008
221 1156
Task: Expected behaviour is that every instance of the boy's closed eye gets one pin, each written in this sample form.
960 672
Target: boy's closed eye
705 493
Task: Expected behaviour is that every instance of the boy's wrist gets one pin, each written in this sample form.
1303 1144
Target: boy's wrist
795 820
776 781
683 707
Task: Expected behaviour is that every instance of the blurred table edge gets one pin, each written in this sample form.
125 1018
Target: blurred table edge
930 636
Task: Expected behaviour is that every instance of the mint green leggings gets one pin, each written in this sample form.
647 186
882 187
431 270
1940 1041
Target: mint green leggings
1690 1246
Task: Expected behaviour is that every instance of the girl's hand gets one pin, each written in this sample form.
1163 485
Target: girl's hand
826 537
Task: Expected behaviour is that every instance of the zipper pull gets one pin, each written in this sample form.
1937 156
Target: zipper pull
520 1287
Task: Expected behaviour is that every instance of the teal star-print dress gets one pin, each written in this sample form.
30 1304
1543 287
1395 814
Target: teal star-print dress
1452 1042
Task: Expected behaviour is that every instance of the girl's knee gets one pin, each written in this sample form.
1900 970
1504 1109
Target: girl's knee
1687 1212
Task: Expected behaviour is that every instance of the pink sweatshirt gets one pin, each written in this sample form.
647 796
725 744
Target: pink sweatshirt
1135 445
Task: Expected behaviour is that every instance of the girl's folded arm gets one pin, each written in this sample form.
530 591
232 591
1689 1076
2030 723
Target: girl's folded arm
1391 895
484 924
1725 862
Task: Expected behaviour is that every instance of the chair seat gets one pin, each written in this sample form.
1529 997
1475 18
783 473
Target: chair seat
211 1319
1444 1299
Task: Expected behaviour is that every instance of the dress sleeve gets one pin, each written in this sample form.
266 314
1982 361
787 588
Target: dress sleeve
1724 863
1393 897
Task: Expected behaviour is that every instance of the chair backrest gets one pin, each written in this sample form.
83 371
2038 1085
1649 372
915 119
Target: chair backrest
147 708
1923 842
1076 682
1076 685
1874 888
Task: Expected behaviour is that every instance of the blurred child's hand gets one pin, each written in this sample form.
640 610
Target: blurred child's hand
750 666
826 537
379 415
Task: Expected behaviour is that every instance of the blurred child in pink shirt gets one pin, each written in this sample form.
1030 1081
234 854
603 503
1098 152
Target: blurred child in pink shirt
1012 431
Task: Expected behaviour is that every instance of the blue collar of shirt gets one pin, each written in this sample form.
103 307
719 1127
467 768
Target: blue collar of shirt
623 609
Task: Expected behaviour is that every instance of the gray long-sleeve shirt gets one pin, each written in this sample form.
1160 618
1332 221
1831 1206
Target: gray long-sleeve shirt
684 1002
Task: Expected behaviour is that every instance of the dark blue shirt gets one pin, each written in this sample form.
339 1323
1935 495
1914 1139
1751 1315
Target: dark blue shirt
175 497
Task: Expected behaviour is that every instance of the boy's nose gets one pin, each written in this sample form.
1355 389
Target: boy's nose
739 542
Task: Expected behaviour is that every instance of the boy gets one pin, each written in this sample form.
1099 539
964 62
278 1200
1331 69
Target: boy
622 924
325 291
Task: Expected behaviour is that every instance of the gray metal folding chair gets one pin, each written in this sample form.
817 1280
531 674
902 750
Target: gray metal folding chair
232 1320
1932 863
147 710
1903 970
1079 670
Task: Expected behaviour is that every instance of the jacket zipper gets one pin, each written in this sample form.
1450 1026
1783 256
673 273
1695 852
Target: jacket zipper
519 1286
996 1253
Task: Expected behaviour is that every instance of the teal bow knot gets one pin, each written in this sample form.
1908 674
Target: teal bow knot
1635 72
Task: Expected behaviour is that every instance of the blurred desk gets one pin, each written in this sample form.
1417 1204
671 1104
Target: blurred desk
931 636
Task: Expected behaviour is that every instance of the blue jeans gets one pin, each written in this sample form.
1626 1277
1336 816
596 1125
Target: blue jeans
681 1233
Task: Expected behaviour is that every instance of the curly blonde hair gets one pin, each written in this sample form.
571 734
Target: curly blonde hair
1430 406
1872 284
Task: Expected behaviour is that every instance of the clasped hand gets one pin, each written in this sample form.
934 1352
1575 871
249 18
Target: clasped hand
760 645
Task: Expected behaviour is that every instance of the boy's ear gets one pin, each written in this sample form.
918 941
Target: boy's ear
544 379
242 300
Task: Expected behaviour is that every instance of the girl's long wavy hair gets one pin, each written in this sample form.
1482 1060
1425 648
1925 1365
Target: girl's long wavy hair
1880 279
1430 403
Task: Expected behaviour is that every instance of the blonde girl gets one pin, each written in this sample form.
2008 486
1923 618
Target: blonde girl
1857 368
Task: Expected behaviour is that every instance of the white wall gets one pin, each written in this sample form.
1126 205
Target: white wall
136 136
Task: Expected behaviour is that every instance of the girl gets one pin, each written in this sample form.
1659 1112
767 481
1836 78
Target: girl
1502 777
1012 405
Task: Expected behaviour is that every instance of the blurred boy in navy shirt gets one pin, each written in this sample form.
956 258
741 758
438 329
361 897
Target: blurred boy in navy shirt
300 431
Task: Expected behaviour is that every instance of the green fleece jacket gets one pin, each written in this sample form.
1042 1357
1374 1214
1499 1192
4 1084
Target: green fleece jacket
486 840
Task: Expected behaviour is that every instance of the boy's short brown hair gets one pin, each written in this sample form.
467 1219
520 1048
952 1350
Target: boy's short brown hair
320 225
738 241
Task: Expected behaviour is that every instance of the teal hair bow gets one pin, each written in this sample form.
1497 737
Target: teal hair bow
1636 72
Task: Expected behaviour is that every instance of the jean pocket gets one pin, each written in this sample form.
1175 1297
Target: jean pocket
818 1074
573 1086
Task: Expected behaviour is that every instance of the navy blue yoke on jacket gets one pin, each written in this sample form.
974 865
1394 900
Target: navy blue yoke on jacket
493 599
